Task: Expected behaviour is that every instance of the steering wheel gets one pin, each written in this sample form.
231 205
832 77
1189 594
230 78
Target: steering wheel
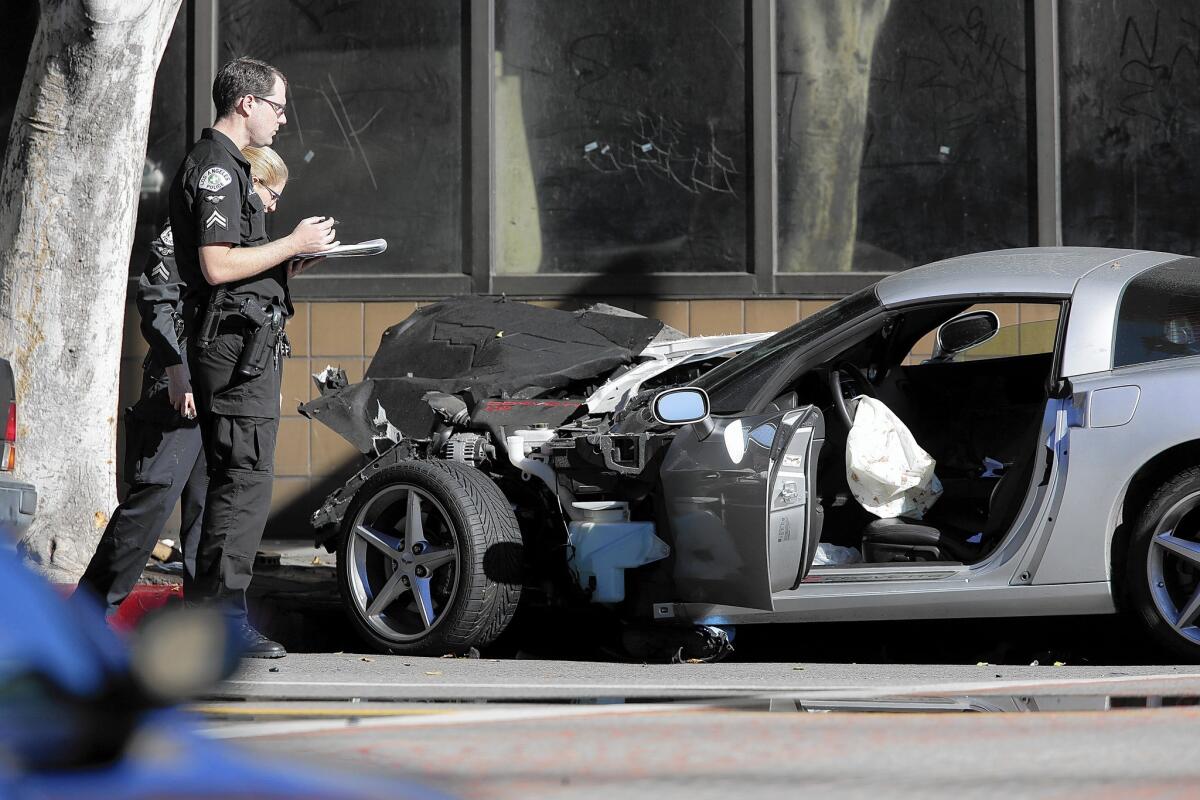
847 382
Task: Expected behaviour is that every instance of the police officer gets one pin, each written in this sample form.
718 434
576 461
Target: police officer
237 293
164 461
164 457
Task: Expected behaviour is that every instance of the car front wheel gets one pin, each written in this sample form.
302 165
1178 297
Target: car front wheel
429 559
1164 565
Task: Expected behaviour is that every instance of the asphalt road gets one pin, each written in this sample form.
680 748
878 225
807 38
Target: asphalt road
1070 707
484 728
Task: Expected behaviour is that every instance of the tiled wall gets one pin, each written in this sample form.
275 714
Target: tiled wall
311 460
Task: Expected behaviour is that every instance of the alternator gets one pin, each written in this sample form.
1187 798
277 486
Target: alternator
469 448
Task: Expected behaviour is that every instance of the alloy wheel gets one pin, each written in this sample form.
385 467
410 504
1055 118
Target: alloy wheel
402 563
1173 567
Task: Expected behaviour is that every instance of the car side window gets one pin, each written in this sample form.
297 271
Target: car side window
1025 329
1159 315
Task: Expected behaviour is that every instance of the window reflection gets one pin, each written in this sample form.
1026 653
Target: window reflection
1131 92
621 136
903 129
374 132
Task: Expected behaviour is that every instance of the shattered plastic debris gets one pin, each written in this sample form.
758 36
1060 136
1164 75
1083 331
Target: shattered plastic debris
387 432
330 379
706 644
832 555
471 653
710 645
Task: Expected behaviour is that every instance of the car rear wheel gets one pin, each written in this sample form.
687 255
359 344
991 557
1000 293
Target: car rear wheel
429 559
1164 565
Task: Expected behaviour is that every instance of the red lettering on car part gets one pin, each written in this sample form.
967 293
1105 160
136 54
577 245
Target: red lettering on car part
509 405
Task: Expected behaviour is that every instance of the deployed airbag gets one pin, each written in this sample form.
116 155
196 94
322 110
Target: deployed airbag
888 472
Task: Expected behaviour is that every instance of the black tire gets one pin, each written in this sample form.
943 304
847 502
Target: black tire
486 583
1160 584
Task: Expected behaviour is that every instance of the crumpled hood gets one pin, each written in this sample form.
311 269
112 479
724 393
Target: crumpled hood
479 348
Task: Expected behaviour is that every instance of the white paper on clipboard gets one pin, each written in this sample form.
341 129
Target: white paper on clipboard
371 247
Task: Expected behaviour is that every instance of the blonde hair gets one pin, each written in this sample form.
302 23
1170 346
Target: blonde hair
266 165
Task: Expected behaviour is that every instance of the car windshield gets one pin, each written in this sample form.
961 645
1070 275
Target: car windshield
731 385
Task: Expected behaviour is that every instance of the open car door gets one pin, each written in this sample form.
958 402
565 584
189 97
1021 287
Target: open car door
741 505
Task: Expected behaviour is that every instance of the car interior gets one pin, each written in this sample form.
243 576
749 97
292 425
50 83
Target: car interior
977 411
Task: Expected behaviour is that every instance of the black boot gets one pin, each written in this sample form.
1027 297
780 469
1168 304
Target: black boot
255 645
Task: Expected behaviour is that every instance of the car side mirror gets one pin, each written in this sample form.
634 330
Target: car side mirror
964 332
683 406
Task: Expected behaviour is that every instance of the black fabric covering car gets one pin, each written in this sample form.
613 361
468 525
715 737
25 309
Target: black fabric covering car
482 349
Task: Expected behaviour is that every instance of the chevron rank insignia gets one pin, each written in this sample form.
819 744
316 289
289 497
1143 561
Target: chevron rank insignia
214 198
216 218
214 179
160 273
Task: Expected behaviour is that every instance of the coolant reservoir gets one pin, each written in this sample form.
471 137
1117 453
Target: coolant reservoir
534 437
605 543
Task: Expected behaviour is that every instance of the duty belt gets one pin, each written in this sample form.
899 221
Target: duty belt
261 325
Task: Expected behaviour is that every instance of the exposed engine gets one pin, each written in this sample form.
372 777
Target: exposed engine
468 448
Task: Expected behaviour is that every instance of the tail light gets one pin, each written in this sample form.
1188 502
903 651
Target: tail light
8 459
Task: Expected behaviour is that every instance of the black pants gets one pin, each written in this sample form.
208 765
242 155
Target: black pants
239 421
164 464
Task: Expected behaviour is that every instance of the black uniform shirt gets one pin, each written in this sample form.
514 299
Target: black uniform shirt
158 301
213 201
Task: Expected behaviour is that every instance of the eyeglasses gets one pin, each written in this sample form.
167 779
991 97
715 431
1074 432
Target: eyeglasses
280 108
274 194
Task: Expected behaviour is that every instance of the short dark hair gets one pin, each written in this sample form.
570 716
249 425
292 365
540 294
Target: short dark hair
241 77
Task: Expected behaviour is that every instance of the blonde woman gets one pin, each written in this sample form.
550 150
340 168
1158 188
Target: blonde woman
164 459
269 175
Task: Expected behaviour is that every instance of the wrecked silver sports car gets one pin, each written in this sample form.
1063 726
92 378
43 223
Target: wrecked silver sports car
1001 434
507 453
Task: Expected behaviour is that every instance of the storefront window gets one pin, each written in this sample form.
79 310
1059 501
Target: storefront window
1131 123
374 133
903 132
621 136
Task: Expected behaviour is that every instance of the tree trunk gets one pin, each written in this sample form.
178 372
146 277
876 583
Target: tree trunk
68 202
825 60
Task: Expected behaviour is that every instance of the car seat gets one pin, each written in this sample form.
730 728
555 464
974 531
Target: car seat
896 539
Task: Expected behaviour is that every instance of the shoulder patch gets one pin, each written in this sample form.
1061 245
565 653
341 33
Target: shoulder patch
167 237
214 178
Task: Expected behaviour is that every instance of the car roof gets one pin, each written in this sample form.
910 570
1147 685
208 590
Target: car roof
1027 271
1094 277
